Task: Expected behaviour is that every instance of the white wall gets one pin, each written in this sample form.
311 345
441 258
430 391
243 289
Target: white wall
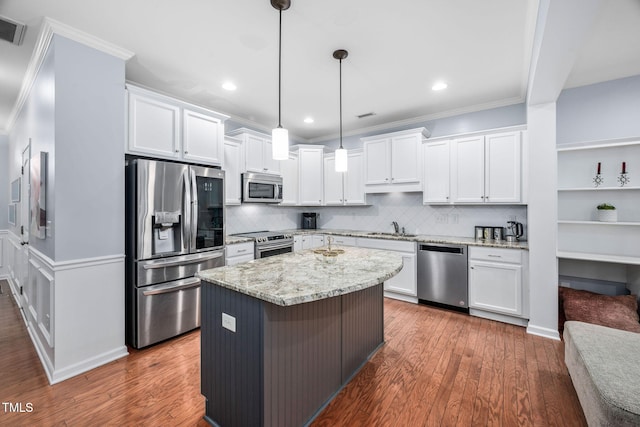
5 181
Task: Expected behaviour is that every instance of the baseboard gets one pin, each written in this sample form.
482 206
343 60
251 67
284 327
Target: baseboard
518 321
543 332
400 297
88 364
47 365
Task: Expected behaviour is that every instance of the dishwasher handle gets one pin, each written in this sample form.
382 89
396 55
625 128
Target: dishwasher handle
456 250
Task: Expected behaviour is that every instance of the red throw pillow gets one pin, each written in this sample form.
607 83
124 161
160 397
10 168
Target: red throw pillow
619 312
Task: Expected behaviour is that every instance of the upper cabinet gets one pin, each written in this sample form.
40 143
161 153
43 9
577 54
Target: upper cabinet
436 188
310 175
289 169
257 148
487 169
344 188
233 158
392 161
163 127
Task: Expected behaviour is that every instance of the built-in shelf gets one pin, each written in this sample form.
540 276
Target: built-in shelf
625 223
619 259
598 188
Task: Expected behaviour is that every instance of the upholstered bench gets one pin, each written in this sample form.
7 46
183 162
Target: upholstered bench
605 370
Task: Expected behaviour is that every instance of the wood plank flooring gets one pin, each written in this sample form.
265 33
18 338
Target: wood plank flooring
437 368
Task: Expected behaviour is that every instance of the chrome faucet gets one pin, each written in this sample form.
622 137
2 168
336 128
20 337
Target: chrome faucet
396 227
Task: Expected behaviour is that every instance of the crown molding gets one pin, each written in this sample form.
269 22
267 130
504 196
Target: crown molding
48 28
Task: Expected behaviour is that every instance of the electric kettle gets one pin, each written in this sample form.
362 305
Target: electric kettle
516 229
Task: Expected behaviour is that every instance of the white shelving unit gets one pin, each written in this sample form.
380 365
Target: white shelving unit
580 235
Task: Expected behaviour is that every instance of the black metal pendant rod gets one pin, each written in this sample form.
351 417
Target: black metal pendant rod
280 71
340 54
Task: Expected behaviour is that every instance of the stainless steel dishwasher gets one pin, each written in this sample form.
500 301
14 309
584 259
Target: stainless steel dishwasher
442 275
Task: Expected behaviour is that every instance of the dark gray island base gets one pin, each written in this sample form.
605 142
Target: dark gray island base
286 361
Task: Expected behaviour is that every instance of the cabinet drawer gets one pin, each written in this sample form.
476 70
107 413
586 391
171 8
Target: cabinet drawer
239 249
513 256
390 245
239 259
342 240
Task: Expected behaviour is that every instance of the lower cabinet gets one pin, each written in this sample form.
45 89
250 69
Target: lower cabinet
497 284
402 286
310 241
237 253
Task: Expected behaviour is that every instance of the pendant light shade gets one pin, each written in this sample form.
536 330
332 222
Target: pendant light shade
341 153
279 135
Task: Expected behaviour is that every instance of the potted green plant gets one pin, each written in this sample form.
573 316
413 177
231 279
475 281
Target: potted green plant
607 213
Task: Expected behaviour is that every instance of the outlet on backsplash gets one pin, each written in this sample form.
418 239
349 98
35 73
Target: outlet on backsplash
442 219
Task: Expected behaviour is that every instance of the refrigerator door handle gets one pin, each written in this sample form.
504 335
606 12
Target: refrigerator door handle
178 285
186 223
182 261
194 209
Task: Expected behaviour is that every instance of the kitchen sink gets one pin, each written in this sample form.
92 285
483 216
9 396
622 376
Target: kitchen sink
377 233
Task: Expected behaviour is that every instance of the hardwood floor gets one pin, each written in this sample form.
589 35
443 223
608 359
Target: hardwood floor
436 368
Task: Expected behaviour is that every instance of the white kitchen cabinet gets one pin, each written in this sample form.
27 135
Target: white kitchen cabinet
233 156
404 285
289 170
163 127
310 175
340 240
310 241
297 243
578 196
497 282
392 162
436 185
238 253
344 188
487 168
258 153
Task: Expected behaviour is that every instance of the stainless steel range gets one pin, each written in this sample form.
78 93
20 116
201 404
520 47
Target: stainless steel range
270 243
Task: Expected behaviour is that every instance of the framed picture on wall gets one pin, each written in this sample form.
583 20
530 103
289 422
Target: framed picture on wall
38 195
15 190
12 214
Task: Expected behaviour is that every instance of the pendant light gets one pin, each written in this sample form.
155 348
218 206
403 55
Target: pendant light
279 135
341 153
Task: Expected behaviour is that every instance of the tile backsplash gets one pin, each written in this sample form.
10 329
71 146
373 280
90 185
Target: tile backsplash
405 208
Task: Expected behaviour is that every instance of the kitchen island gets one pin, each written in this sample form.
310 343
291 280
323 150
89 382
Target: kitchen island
281 335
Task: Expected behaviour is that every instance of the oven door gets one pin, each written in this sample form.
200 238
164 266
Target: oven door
268 250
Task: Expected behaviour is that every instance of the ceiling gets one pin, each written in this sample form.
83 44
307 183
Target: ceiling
397 51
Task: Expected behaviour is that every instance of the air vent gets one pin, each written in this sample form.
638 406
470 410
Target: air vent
362 116
11 31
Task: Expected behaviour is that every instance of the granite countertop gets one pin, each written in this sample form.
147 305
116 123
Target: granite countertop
420 238
230 240
296 278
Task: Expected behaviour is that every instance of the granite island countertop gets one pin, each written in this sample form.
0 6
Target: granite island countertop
300 277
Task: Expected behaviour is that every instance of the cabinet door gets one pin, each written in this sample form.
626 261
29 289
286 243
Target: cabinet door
354 193
405 282
153 127
333 183
317 240
405 159
202 138
495 287
232 178
377 156
502 168
253 147
307 241
289 170
270 164
436 172
297 243
311 177
468 170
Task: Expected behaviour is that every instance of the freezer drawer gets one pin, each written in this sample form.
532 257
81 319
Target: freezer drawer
167 310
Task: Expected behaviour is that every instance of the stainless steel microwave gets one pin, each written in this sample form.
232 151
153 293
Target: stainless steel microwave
261 188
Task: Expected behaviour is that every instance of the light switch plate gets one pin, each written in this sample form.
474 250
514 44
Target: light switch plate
228 322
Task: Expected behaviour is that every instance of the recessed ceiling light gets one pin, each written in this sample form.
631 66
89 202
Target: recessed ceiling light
439 86
308 120
229 86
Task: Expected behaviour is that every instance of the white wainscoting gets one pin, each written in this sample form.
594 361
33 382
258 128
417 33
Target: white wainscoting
74 310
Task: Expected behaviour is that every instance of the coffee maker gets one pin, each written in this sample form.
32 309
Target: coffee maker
309 220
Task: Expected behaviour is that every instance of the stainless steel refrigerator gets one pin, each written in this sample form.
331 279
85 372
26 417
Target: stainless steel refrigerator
175 227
